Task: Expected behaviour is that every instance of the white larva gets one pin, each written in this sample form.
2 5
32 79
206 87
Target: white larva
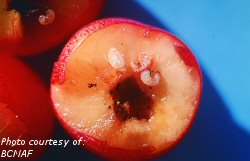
148 80
143 64
48 18
116 59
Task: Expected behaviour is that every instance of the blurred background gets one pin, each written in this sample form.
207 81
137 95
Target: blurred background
218 32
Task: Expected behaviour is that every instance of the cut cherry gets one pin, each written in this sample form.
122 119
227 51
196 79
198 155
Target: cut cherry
126 89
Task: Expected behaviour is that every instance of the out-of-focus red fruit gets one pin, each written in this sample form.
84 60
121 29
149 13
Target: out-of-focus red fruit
25 106
31 27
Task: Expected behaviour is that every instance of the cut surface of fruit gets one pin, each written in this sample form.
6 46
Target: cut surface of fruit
150 103
11 27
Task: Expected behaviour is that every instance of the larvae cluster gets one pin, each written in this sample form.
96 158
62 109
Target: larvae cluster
141 65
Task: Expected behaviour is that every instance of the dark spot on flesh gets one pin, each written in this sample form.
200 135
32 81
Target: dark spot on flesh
90 85
130 101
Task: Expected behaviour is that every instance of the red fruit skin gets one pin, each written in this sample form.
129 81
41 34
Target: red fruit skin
100 147
69 17
26 96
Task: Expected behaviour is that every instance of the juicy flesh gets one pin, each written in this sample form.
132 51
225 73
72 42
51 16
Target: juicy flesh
91 109
10 22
